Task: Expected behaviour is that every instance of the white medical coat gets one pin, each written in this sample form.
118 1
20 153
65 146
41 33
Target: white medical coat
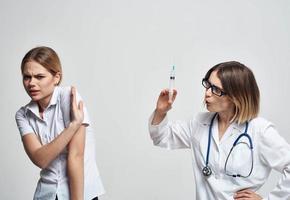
270 151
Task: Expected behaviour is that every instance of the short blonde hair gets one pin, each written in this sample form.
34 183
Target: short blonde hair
239 83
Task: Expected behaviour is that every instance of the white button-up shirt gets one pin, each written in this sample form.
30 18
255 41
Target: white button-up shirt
270 151
56 117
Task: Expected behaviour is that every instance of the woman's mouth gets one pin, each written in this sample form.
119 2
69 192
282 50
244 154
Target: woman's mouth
207 102
33 92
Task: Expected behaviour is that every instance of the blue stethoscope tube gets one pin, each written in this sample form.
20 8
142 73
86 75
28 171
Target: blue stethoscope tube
207 170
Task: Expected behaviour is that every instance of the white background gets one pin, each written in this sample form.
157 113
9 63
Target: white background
118 53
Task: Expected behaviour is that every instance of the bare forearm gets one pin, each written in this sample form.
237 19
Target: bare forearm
47 153
76 177
75 164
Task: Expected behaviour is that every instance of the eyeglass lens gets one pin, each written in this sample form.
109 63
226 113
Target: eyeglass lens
214 89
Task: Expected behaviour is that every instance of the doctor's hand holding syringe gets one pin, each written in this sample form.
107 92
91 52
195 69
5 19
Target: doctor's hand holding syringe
230 143
165 99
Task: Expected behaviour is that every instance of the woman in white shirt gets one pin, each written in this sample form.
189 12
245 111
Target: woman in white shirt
233 149
56 131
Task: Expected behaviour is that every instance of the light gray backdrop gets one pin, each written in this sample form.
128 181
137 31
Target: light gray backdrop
118 54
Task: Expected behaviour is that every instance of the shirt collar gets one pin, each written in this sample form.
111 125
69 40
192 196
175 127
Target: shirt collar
33 107
235 125
207 119
240 127
54 97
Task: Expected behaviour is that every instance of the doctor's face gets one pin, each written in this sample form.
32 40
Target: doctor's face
215 103
38 82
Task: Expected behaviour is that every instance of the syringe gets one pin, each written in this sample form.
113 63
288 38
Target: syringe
171 83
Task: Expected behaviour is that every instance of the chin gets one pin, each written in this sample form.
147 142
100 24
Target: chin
210 109
35 98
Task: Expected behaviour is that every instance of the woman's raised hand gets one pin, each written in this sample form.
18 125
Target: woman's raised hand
164 104
77 113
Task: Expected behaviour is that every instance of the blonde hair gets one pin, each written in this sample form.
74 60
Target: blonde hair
240 85
46 57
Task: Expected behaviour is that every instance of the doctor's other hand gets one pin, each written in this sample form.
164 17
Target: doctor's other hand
163 105
77 113
247 194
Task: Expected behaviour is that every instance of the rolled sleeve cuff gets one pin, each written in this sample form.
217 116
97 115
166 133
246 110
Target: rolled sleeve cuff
155 129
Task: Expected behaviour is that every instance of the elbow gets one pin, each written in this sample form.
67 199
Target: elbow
77 155
75 161
39 161
41 164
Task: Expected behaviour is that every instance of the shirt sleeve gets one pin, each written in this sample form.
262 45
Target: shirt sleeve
65 104
22 122
275 152
170 135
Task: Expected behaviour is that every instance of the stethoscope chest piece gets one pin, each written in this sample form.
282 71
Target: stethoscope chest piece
206 171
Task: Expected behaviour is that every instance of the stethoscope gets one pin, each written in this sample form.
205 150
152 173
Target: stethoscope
207 170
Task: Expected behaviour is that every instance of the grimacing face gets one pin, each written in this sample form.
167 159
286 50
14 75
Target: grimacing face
39 83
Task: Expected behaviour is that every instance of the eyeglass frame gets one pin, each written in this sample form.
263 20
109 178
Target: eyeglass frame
212 86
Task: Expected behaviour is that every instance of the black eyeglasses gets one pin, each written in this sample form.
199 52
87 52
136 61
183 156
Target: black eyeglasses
214 89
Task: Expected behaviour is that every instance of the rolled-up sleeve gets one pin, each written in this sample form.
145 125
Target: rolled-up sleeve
275 152
170 135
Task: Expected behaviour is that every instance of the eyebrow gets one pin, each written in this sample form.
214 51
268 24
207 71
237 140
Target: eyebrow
215 86
40 74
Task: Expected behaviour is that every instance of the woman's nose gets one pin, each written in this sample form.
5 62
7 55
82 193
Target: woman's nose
32 82
208 92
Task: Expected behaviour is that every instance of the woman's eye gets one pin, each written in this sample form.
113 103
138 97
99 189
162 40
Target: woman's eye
26 78
216 90
39 77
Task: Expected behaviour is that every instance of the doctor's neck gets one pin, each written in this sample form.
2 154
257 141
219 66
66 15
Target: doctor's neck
224 121
225 117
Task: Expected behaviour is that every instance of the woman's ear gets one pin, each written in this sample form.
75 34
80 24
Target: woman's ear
57 78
